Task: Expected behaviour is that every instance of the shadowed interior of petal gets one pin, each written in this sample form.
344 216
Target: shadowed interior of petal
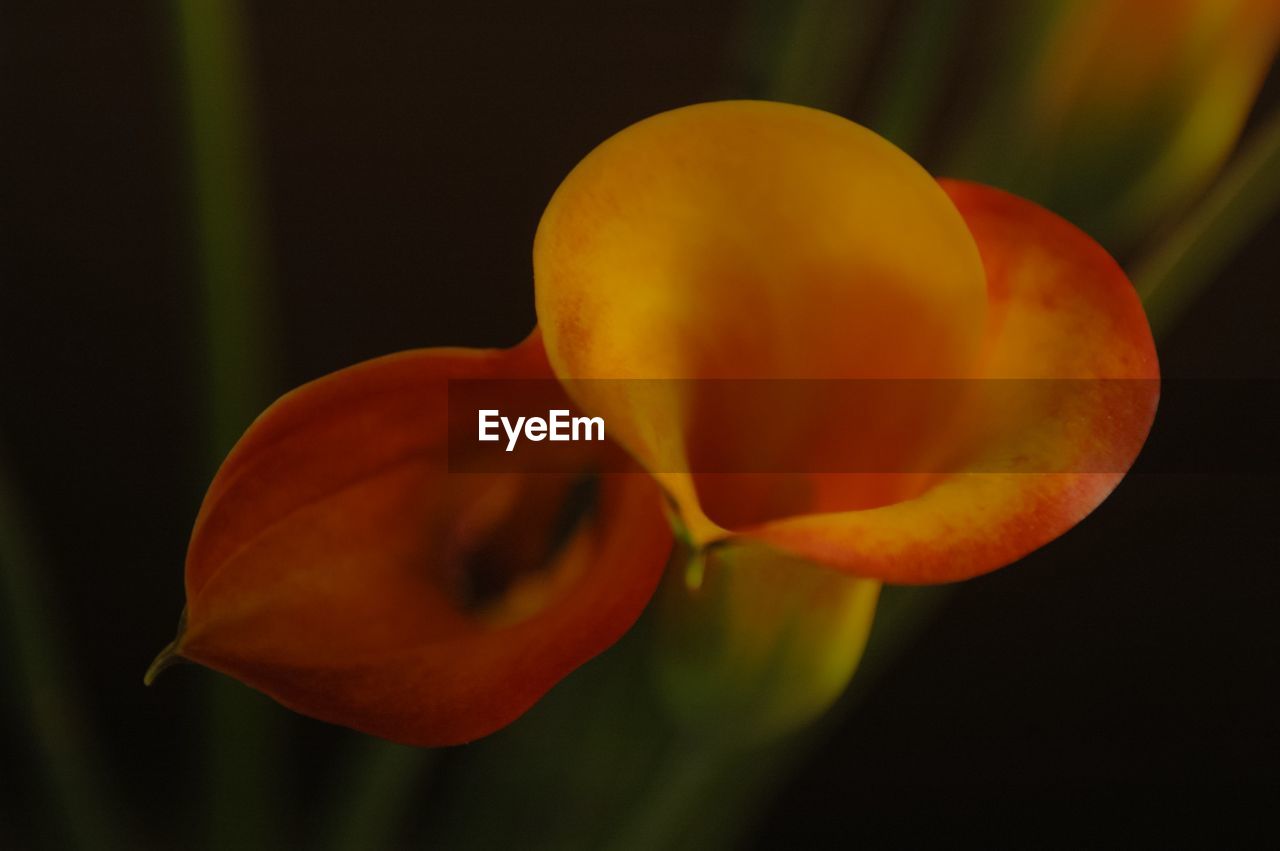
347 565
831 445
753 240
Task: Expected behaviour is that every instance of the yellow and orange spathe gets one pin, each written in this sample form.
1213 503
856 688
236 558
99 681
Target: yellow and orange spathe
763 240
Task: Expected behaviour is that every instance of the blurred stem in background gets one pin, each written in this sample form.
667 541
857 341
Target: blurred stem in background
373 792
705 798
913 76
992 142
1123 112
229 217
244 756
70 768
1245 197
810 52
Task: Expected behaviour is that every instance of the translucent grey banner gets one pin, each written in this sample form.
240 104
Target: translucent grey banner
865 426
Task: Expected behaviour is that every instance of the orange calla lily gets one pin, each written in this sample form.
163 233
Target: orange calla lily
761 240
346 564
354 565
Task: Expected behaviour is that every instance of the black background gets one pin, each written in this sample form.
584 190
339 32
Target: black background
1118 686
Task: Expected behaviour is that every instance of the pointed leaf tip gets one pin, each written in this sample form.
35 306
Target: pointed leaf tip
168 657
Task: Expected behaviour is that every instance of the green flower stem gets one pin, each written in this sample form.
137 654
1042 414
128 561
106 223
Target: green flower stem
229 219
914 74
43 687
699 798
242 729
992 144
374 794
685 780
1244 198
811 52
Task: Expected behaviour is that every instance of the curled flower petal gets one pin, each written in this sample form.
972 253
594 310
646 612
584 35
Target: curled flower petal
752 240
344 564
1062 310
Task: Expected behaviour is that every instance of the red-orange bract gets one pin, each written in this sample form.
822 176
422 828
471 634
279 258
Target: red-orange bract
338 564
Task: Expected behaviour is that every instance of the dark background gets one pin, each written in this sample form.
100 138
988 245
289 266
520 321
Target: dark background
1118 686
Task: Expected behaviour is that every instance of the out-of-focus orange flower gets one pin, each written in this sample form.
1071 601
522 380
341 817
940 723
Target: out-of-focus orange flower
343 563
1136 104
349 563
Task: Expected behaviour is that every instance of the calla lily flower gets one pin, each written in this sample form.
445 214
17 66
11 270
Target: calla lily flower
346 564
754 240
351 565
